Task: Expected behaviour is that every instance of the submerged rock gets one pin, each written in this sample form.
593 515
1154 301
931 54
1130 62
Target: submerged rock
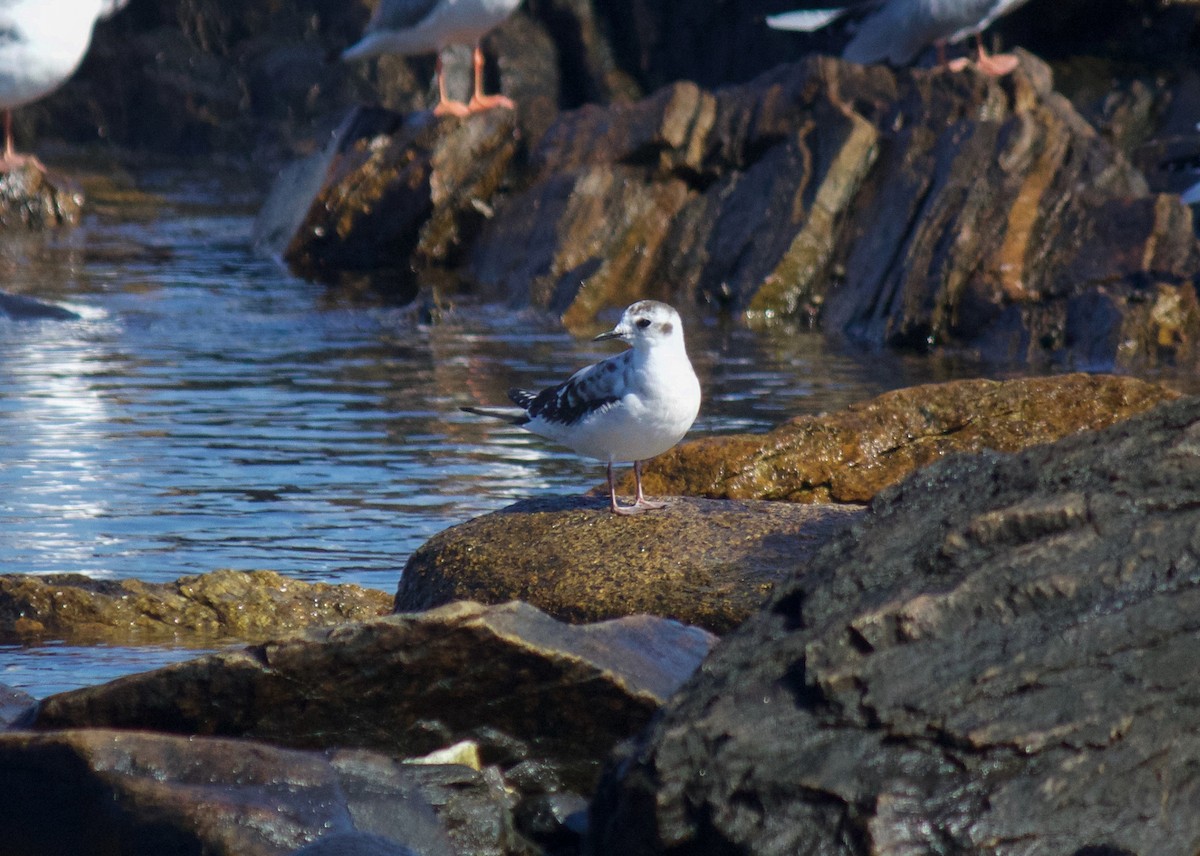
118 793
710 564
516 681
999 659
199 610
851 455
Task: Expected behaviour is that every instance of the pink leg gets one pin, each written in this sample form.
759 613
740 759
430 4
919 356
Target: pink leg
447 106
641 501
624 510
11 159
479 101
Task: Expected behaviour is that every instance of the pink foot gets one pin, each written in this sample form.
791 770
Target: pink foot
997 65
13 161
959 64
626 510
452 108
479 103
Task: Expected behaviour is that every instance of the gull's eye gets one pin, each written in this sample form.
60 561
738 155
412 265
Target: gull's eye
643 323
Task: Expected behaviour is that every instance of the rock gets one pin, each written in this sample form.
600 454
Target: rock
20 307
15 705
511 678
998 659
401 197
705 563
32 199
198 610
108 792
851 455
820 189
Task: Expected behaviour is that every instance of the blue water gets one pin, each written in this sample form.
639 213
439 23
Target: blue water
211 411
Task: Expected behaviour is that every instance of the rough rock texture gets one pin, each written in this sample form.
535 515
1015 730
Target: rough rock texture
999 659
911 208
248 606
401 197
131 794
34 200
710 564
518 682
851 455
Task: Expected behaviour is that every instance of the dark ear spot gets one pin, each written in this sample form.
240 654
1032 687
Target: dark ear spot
667 327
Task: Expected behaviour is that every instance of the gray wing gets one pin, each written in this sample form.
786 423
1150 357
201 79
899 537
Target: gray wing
589 390
400 14
903 28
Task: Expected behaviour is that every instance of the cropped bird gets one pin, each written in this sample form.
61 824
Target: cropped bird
627 408
42 42
429 26
898 30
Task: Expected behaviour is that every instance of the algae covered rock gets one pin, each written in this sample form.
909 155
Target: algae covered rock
705 563
851 455
194 610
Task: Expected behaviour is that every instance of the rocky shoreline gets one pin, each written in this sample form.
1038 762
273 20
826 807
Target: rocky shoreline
921 667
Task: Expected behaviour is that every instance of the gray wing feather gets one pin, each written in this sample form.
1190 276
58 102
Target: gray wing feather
400 14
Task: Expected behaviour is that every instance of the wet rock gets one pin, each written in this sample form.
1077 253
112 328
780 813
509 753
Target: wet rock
20 307
705 563
97 791
907 208
851 455
401 197
32 199
192 610
513 679
15 704
998 659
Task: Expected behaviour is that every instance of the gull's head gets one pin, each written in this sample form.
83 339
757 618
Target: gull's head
647 323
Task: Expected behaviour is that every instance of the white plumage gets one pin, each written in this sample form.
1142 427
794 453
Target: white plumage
627 408
42 42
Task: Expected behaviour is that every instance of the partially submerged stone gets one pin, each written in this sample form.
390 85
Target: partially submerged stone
851 455
32 199
509 677
197 610
1000 658
121 793
706 563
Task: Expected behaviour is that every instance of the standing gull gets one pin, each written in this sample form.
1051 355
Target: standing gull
629 407
429 26
42 42
898 30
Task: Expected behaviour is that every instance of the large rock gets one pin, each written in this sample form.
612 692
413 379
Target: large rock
198 610
910 208
999 659
851 455
118 793
710 564
521 684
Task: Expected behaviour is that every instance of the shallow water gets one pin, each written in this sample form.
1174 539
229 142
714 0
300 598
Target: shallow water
210 411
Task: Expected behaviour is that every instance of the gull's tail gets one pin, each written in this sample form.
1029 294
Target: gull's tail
513 415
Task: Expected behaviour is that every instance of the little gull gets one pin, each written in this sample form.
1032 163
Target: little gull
629 407
42 42
898 30
430 26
